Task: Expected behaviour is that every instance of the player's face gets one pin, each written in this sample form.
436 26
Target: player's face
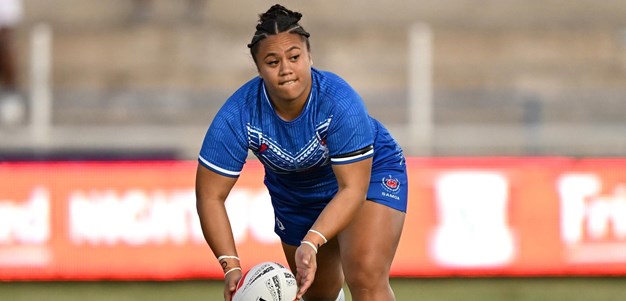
284 63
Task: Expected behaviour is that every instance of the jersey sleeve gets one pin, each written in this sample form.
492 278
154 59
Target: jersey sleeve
350 137
224 149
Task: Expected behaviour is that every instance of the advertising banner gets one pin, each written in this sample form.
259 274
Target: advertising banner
466 216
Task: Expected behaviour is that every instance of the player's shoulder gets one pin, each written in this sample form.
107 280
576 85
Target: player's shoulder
332 86
243 99
327 79
248 93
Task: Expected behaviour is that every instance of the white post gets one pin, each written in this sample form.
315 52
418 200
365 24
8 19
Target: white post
40 94
420 89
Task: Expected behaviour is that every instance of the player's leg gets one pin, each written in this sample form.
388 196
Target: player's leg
368 246
328 277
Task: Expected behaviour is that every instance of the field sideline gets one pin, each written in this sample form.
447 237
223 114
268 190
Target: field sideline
421 289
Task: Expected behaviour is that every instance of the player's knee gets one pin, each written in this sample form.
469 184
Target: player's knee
367 272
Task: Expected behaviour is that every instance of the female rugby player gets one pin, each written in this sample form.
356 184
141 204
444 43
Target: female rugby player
336 177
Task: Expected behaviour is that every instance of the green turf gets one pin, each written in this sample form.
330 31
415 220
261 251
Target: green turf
511 289
445 289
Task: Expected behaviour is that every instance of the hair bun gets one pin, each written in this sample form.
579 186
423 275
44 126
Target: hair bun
278 11
275 20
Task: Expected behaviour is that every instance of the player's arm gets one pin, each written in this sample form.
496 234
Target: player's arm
353 180
211 192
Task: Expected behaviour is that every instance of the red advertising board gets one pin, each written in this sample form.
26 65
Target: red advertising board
466 216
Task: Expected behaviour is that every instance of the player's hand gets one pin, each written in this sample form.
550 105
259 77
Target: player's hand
230 284
306 265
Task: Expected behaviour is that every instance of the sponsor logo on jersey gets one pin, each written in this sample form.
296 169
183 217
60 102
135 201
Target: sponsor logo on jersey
280 224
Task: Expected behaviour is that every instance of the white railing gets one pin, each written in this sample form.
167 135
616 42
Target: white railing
40 87
419 136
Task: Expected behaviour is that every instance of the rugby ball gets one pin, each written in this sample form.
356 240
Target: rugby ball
267 281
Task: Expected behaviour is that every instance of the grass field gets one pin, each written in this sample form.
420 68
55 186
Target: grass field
445 289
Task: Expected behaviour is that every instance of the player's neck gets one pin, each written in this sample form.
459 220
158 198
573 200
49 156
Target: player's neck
289 110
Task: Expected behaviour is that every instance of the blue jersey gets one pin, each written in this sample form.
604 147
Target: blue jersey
333 128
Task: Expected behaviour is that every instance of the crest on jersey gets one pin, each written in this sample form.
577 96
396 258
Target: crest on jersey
391 184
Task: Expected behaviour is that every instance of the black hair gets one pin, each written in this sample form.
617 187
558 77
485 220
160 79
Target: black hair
275 20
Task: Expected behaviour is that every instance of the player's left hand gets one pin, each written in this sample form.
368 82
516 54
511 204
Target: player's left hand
230 284
306 265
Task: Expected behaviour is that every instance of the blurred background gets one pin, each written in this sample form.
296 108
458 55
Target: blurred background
528 96
451 77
